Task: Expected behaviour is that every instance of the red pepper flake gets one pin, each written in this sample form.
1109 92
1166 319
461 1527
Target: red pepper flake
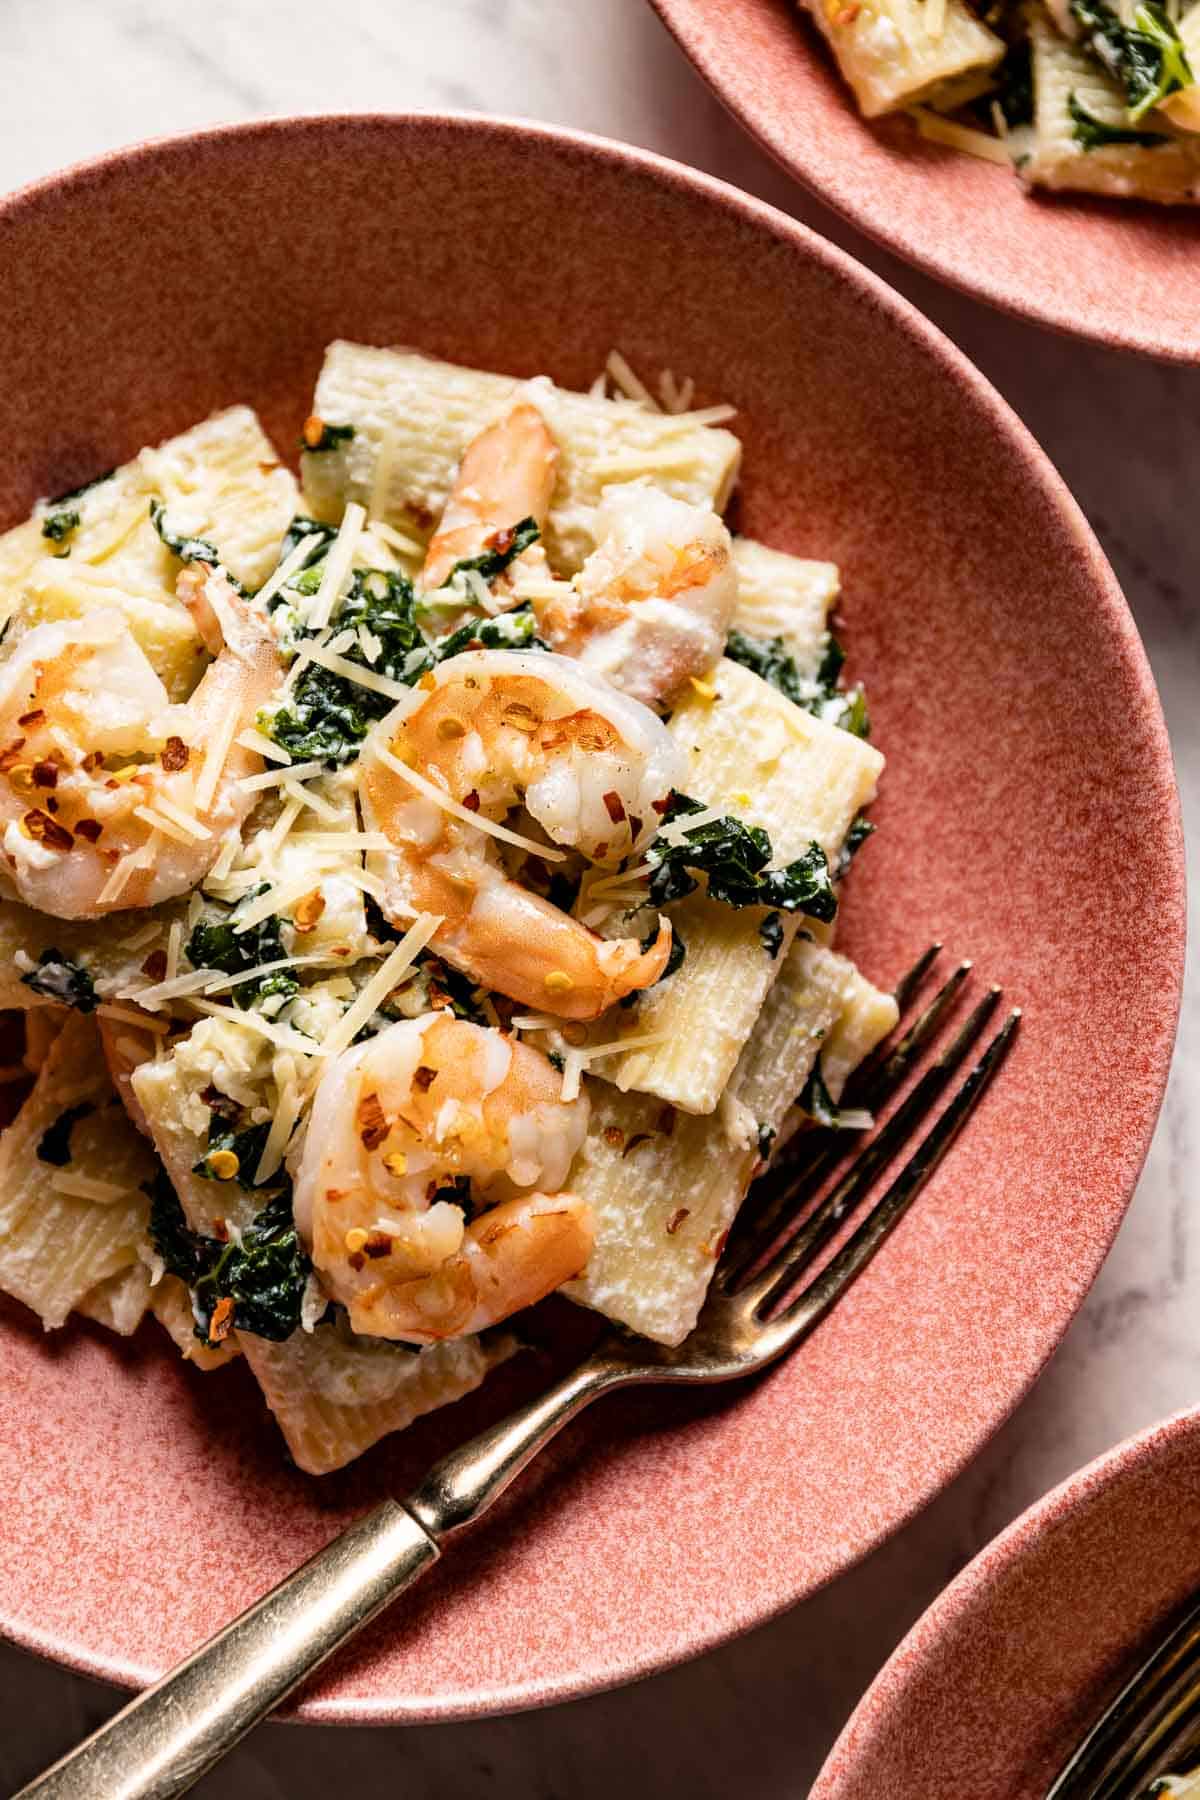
10 757
174 755
502 539
45 774
31 718
423 1078
614 806
51 803
639 1137
92 761
45 830
357 1261
378 1244
221 1323
89 829
614 1136
676 1219
220 1231
308 911
666 1120
372 1121
660 806
471 801
635 826
155 965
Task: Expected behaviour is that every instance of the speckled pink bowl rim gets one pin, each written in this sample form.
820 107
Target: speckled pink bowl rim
1084 267
894 320
889 1702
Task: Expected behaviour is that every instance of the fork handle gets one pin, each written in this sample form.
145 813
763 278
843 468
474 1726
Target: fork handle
168 1737
160 1745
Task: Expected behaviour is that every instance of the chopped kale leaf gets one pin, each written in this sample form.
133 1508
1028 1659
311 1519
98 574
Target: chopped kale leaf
1094 134
323 436
819 1104
232 1155
54 1145
57 978
770 930
217 944
1014 85
506 547
734 857
59 525
860 830
263 1276
300 528
1146 58
327 716
818 694
191 549
515 630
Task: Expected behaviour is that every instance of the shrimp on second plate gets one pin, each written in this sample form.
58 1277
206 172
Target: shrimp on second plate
487 730
109 795
399 1125
506 475
652 604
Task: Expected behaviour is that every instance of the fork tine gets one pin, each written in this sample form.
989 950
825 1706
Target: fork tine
810 1307
908 984
800 1178
781 1269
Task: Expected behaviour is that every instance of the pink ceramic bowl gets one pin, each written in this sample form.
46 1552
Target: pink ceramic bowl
996 1684
1030 818
1122 275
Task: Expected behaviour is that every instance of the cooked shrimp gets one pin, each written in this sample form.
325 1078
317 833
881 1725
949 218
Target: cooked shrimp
489 729
652 604
395 1123
106 800
506 475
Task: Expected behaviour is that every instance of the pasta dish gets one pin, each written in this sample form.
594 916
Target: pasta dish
419 881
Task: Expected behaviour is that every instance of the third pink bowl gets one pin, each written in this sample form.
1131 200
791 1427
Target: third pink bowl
1029 818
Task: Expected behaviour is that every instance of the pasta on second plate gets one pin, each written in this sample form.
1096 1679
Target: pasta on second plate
419 887
1076 95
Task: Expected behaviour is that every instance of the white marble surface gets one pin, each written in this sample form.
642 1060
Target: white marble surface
84 75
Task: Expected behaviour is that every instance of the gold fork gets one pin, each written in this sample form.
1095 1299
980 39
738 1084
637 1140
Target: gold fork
168 1737
1151 1729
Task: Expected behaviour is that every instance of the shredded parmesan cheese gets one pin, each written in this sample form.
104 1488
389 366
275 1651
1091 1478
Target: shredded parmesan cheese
174 940
287 568
396 540
215 754
624 379
149 816
316 802
959 137
250 784
337 565
385 978
253 1022
935 18
263 746
434 793
368 678
85 1187
185 820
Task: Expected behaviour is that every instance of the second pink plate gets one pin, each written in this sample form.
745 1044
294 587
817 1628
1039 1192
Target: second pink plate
995 1685
1125 275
